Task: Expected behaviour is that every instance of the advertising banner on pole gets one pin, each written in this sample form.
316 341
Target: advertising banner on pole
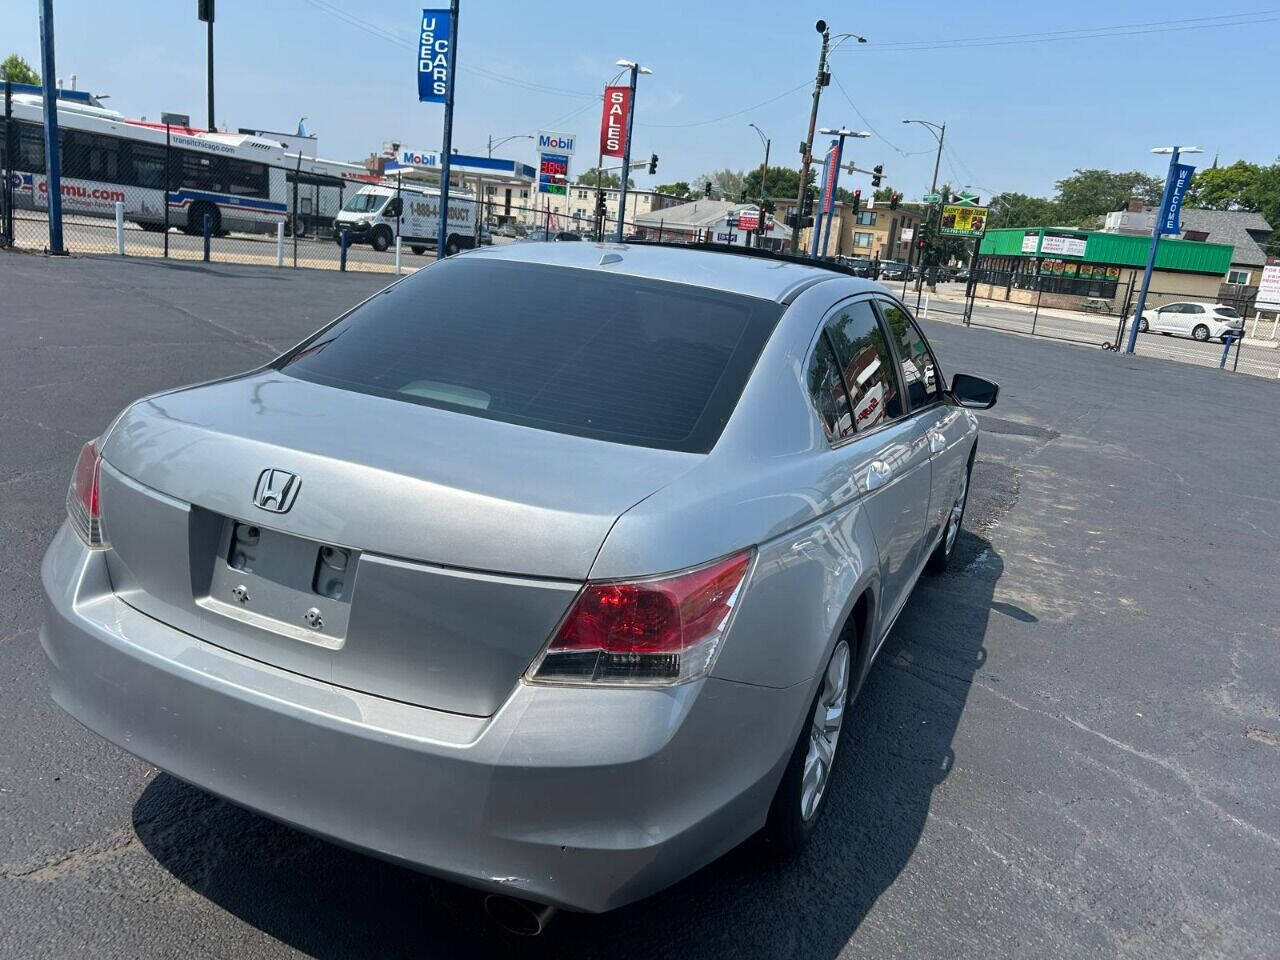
829 167
1171 204
613 121
435 55
959 220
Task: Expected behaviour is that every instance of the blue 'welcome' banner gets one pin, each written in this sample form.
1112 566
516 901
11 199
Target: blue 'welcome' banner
435 55
1174 191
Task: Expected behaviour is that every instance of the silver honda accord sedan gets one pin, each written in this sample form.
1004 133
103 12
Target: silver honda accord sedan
551 569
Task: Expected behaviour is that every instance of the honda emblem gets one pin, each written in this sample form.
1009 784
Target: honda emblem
276 490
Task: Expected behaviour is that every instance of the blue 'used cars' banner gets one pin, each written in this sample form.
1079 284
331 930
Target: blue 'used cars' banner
435 55
1174 191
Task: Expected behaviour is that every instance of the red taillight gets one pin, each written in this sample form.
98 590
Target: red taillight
655 631
83 508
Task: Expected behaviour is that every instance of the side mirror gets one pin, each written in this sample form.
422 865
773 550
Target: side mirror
971 391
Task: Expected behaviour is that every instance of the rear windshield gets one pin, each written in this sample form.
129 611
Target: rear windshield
644 362
1226 312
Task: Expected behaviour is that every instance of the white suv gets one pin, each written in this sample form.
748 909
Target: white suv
1200 321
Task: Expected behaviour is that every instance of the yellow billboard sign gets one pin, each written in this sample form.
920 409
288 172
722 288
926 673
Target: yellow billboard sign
963 221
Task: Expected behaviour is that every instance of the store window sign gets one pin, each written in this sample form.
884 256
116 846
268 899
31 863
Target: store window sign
1063 245
1030 241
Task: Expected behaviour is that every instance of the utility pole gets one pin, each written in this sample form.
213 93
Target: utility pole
764 170
204 10
939 132
806 148
52 159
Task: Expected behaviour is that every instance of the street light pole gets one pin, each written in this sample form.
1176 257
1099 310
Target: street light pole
635 69
835 181
764 170
204 11
1156 230
939 132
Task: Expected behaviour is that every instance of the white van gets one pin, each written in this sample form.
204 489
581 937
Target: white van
375 215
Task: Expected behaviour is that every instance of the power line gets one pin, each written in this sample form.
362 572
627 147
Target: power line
1093 33
864 119
729 116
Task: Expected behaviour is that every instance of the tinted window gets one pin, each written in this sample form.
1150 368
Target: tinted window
575 351
827 390
30 153
246 178
919 372
148 164
866 364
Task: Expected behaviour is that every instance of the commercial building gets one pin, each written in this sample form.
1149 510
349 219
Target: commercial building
576 207
707 221
1246 232
1066 267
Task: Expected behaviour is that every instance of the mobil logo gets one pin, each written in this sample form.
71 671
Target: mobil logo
551 142
419 159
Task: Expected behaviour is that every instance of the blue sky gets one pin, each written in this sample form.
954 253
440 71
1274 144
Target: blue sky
1021 112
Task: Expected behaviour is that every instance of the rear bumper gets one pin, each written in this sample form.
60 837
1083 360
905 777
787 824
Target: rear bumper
587 799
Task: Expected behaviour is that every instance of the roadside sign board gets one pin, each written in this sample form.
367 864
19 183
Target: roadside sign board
1063 244
932 198
1269 288
748 220
961 221
907 235
435 55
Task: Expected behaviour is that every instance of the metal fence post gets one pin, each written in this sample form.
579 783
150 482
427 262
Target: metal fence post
208 231
280 244
342 250
168 180
293 215
397 256
6 186
120 228
52 158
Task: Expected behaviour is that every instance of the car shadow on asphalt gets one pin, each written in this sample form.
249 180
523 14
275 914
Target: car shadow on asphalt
330 902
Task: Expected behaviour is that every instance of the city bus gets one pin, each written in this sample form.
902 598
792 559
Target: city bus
241 181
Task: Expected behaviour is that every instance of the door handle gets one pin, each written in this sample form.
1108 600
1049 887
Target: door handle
878 474
937 442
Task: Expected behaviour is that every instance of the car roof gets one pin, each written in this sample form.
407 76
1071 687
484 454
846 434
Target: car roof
750 274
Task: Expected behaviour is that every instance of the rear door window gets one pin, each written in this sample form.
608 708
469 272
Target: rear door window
920 374
584 352
826 388
866 364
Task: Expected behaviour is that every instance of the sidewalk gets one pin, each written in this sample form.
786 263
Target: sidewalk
1101 320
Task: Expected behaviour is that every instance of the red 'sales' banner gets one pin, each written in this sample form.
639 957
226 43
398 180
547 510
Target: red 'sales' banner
613 123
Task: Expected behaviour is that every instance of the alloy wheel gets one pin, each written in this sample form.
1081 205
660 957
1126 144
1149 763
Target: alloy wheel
824 731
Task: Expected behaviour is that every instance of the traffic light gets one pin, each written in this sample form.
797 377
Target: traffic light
806 208
601 209
743 197
876 173
894 200
653 163
857 202
706 191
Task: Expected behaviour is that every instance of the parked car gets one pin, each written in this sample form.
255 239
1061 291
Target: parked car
543 235
1200 321
892 270
861 266
538 570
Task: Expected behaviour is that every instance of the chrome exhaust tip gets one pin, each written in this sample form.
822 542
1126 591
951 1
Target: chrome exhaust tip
524 918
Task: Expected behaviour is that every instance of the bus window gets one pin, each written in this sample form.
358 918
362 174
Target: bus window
247 178
199 171
30 153
147 160
103 158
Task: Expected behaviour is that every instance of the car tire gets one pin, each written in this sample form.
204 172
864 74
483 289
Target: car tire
1200 332
1143 326
452 246
799 801
940 559
381 239
419 251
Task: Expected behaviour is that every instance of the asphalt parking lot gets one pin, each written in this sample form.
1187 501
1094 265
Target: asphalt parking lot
1068 747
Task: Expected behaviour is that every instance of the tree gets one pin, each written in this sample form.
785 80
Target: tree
1020 210
18 70
884 194
725 184
608 180
781 183
1226 188
680 188
1087 195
